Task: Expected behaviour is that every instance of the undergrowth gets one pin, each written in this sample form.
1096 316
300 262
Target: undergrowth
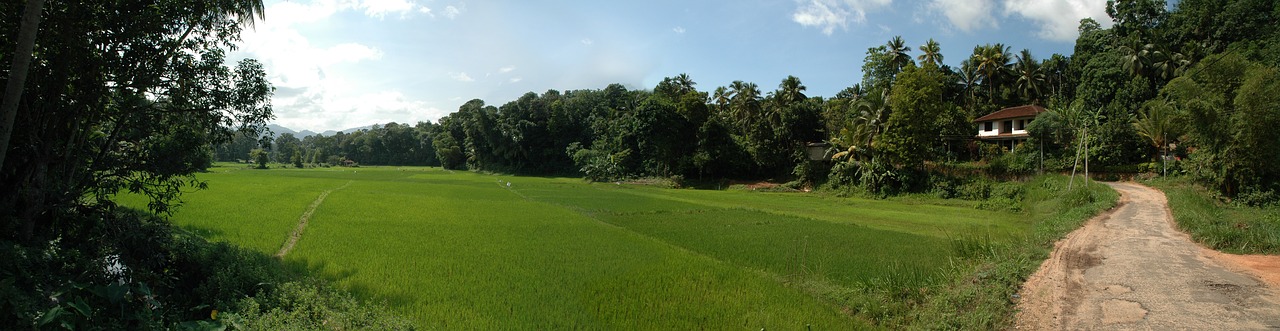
1230 227
981 291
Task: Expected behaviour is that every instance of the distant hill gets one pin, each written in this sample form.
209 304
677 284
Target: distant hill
327 133
277 130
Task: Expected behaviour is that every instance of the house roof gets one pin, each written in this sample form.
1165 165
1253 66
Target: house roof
1013 112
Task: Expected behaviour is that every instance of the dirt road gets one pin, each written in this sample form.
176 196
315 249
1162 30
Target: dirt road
1131 269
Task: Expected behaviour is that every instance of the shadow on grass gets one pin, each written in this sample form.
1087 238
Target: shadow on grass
298 269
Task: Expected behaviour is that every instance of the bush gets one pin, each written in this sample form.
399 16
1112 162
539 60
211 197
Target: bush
138 272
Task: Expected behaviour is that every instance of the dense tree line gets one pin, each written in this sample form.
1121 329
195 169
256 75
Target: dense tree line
1127 95
390 144
1121 98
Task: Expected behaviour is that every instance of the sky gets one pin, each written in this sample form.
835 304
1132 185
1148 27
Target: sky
340 64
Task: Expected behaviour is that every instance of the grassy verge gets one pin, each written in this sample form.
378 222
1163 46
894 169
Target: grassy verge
1221 226
981 292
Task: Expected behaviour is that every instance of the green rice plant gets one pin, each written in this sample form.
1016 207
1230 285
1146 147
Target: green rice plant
467 250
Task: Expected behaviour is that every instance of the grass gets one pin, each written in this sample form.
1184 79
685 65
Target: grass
1229 228
465 250
981 295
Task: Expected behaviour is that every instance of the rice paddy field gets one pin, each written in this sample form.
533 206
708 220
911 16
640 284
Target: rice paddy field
463 250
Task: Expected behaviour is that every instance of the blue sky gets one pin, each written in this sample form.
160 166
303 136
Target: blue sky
340 64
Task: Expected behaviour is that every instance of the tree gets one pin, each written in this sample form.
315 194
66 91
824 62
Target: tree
1155 122
993 62
1030 79
897 52
931 52
18 72
134 111
1228 106
968 79
259 156
1136 17
913 131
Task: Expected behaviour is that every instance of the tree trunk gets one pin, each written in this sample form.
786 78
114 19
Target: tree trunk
18 72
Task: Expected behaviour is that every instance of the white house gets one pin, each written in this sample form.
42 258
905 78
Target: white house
1008 126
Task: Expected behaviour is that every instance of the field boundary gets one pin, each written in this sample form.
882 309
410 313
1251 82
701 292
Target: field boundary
302 221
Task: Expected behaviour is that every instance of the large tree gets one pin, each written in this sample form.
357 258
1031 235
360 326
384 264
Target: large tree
913 131
127 95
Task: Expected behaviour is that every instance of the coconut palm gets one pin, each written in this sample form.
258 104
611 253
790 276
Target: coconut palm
685 83
993 62
721 98
1155 122
791 91
1030 79
1168 65
968 80
1137 57
897 50
744 103
932 53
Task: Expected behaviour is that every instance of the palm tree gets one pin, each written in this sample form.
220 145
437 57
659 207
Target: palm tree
897 50
721 98
685 83
871 114
1155 122
1137 57
968 80
791 91
932 53
1030 79
993 63
1168 65
744 104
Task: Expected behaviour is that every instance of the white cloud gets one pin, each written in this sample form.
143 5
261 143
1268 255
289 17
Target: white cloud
461 77
678 30
515 79
967 15
588 41
506 69
830 14
452 12
380 8
315 86
318 111
1059 19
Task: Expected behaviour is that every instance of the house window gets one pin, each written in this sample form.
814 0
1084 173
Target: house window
1006 127
986 126
1021 125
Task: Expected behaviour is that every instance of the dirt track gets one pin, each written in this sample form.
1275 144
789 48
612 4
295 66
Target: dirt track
1131 269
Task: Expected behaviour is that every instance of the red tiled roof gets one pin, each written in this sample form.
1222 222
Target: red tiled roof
1013 112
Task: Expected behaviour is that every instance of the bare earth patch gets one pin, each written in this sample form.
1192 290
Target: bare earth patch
1130 268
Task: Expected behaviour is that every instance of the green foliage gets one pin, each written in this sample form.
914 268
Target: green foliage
977 296
1228 104
600 166
144 274
1236 228
912 134
260 157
